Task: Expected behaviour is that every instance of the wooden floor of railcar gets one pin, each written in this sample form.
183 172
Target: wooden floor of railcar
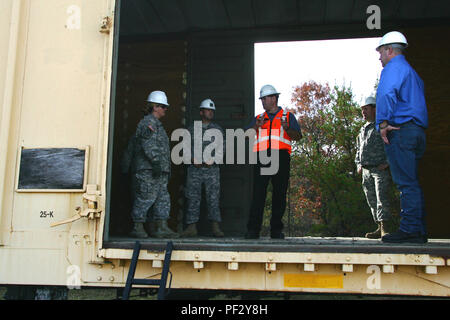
439 247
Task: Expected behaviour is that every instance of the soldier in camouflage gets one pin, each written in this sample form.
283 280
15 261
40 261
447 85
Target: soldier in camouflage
372 163
204 171
150 166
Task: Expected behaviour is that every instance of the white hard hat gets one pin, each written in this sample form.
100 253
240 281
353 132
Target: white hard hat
369 100
267 90
393 37
207 104
157 97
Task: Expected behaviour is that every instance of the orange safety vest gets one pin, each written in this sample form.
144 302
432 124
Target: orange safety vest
271 134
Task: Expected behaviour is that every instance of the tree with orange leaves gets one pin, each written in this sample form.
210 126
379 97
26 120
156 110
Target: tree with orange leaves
326 197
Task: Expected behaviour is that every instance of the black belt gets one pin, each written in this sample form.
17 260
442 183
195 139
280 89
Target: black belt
405 123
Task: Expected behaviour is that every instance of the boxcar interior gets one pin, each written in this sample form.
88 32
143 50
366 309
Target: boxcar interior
198 49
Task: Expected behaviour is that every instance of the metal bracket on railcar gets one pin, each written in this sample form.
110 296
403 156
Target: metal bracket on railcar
106 25
91 212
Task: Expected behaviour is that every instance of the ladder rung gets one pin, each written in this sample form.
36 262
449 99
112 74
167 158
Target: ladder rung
146 281
158 282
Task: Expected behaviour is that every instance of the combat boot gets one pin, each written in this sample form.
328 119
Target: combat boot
381 231
375 234
150 227
138 231
191 231
216 230
163 231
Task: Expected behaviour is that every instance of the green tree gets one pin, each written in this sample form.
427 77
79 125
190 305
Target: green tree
327 193
325 197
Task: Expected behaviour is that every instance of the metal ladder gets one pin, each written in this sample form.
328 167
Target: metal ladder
159 282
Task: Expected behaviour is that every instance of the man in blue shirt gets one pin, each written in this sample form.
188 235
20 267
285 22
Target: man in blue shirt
401 118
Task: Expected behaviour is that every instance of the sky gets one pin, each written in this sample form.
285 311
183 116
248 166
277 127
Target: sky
353 62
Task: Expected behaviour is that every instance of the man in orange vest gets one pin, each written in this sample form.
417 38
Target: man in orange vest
275 129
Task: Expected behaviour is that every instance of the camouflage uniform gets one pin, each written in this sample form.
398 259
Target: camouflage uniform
207 175
376 183
151 148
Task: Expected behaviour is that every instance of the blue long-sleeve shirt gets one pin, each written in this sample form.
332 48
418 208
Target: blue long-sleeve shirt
400 95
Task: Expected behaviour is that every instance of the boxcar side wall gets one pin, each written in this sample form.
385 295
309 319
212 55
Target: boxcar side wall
11 34
55 87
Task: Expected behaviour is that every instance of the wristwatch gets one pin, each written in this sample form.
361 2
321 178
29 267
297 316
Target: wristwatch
385 125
